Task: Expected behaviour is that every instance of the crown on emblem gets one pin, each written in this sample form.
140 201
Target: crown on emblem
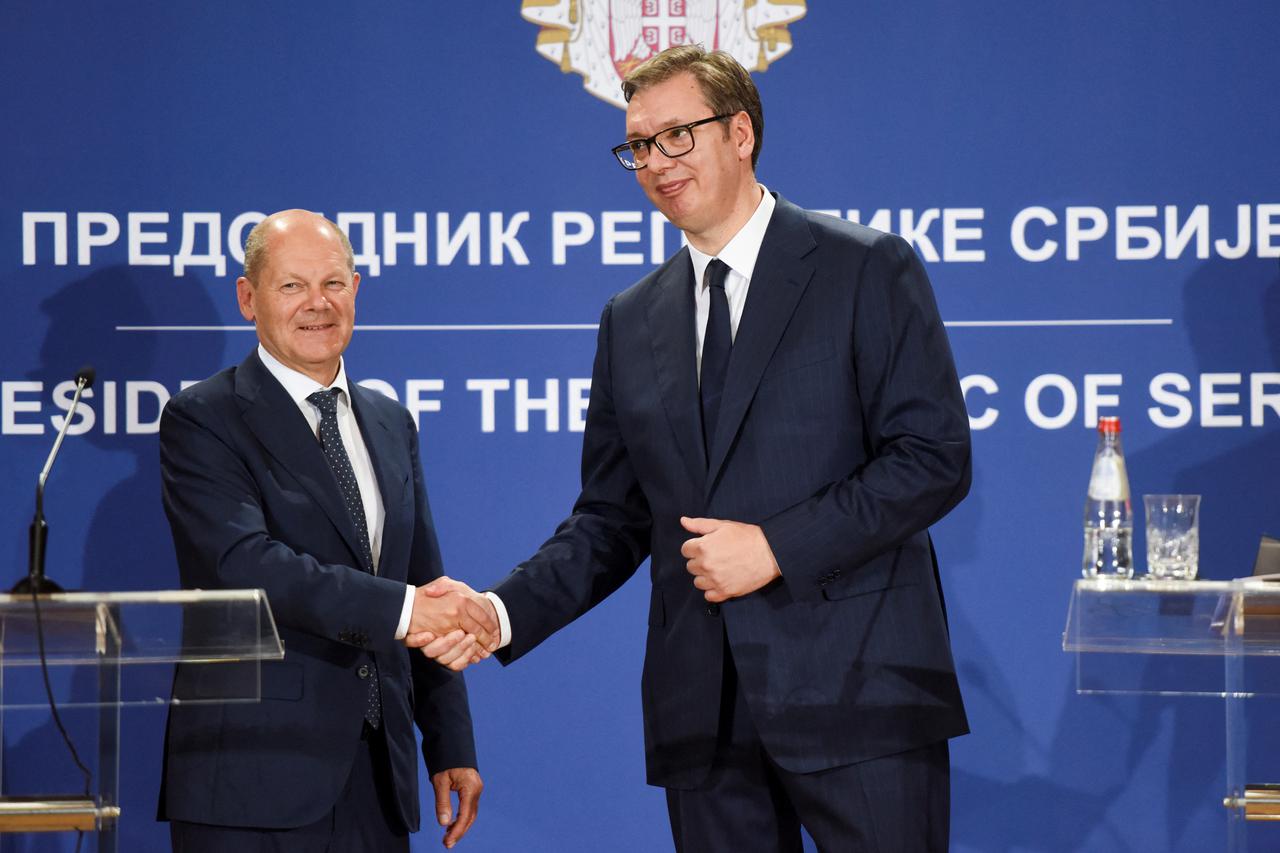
603 40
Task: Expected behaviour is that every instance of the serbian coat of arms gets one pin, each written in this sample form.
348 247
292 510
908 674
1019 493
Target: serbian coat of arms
604 39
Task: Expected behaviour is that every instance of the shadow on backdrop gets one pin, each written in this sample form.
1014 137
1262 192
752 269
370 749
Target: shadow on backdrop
1081 798
1231 311
127 545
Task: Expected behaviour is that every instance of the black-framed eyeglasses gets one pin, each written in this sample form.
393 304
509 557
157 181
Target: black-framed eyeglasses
674 142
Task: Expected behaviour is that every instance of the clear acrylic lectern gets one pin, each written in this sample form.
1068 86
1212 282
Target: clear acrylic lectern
1189 638
105 651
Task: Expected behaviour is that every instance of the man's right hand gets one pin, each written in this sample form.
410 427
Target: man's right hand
449 608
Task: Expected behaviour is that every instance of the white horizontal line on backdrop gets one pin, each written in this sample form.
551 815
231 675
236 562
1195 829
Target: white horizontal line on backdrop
476 327
591 327
1132 321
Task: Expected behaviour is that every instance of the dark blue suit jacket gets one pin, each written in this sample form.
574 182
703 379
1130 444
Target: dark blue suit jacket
843 433
252 503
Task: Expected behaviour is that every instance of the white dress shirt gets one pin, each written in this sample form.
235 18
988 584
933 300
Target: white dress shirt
739 255
299 387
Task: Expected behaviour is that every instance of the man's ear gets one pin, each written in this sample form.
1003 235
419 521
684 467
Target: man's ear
245 292
743 134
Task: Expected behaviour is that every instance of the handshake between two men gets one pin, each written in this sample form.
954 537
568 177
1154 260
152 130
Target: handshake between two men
452 623
457 626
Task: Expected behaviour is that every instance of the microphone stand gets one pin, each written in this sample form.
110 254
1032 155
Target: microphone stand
35 583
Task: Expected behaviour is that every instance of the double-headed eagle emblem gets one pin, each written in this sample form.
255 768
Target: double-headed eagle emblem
604 39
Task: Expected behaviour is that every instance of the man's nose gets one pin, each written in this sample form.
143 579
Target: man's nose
317 300
658 162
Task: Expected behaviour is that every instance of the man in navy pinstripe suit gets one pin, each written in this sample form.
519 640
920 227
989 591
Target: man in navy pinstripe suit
775 420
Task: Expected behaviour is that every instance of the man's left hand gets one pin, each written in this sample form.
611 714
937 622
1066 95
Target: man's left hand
727 558
466 781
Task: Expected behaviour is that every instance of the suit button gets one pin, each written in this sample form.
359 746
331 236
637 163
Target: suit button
363 671
713 609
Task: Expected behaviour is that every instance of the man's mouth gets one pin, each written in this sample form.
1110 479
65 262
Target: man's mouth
671 188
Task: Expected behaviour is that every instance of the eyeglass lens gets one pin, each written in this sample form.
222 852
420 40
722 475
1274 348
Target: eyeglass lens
673 142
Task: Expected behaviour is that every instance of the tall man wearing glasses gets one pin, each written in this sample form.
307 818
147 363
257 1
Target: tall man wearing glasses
775 420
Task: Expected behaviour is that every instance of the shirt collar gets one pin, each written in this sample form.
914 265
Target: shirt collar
297 385
741 252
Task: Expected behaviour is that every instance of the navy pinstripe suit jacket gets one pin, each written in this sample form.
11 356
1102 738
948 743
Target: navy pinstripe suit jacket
843 433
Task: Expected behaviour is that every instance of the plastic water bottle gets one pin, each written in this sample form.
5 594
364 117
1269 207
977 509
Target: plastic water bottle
1108 517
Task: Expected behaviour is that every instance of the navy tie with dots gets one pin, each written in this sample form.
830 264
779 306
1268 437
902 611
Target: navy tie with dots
717 344
326 402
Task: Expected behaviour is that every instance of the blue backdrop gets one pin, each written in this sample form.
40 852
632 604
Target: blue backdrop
1092 185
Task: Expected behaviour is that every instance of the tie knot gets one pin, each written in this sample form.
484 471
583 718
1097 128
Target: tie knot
716 273
326 400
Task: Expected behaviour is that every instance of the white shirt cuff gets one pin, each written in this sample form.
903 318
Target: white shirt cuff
406 612
504 621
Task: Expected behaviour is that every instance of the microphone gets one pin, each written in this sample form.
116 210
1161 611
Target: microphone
35 583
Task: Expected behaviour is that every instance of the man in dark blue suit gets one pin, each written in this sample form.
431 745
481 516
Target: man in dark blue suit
283 474
775 420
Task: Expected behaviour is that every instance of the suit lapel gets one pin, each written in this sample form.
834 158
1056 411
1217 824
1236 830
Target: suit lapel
383 452
275 421
671 320
777 283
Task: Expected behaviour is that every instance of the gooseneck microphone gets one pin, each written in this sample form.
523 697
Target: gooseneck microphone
38 534
35 584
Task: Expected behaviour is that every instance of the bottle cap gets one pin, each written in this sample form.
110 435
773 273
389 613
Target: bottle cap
1109 423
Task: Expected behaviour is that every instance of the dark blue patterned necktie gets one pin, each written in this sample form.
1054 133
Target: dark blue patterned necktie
326 401
717 343
331 440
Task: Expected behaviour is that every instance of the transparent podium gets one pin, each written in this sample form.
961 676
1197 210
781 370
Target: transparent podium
1191 638
96 653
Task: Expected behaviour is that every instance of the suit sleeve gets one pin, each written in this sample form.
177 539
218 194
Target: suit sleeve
222 539
440 705
597 548
916 428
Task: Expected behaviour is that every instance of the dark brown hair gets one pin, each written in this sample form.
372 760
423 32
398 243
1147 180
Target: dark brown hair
726 85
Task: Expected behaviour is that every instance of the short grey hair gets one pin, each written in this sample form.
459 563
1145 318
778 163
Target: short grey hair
255 245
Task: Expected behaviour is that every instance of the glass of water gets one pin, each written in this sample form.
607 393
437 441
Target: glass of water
1173 536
